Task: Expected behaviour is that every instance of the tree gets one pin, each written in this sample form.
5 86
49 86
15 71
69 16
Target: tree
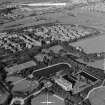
3 73
66 101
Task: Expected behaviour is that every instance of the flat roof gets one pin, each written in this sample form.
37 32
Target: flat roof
87 75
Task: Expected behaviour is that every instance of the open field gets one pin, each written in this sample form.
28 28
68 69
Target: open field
92 45
43 98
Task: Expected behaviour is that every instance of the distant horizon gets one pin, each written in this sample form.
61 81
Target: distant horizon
46 4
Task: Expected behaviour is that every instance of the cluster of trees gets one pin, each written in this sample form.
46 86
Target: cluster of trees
3 73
